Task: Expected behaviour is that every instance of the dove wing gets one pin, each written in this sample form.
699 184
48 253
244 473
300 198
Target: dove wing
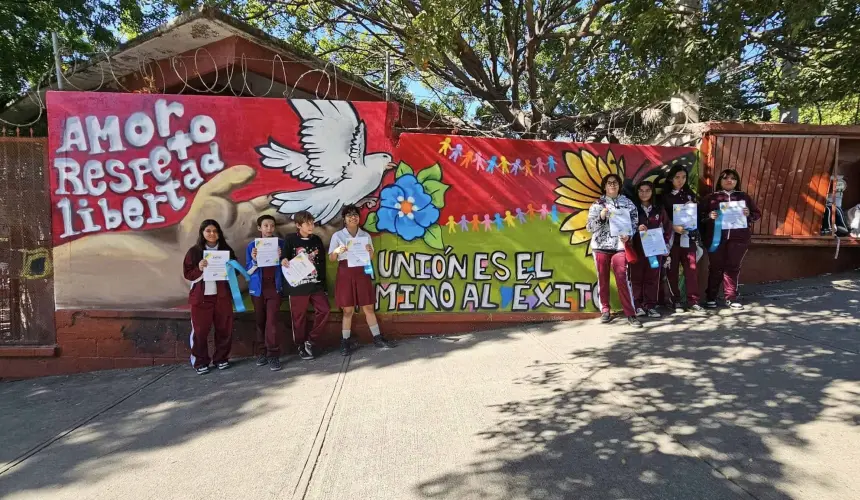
274 155
332 137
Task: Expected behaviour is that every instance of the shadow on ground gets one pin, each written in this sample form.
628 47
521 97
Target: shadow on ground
729 393
741 394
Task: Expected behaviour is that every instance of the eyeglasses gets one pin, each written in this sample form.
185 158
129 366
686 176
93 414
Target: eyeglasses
612 183
348 216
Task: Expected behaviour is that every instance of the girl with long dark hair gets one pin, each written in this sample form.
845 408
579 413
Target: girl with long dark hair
645 279
683 241
725 261
211 301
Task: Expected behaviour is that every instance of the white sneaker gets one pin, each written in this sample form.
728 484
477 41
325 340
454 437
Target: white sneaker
640 312
653 313
737 306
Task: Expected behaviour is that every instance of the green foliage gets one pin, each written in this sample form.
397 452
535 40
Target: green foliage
526 68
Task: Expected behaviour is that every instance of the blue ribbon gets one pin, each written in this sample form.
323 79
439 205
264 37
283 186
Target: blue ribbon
653 262
718 232
368 269
232 267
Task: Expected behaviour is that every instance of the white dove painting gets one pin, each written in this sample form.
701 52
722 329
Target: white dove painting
333 158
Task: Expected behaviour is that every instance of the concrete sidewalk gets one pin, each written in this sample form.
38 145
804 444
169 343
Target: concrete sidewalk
763 403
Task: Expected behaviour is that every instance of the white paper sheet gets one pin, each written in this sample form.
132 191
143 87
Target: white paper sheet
620 223
733 215
653 242
300 268
267 252
356 252
216 265
686 216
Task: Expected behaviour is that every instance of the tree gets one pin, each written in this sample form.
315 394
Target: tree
82 25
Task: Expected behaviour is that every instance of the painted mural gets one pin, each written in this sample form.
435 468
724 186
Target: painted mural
460 224
495 225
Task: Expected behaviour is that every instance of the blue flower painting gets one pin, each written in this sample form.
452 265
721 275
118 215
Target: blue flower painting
410 207
406 209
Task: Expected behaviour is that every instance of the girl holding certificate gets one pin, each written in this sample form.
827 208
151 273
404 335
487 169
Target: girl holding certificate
677 197
353 286
733 211
211 301
607 245
645 278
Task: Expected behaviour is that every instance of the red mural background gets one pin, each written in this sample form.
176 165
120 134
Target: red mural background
475 190
242 125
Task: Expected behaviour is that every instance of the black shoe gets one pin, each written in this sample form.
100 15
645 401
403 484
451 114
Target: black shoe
711 304
679 308
203 370
309 348
345 347
380 341
605 317
696 308
634 322
304 354
262 360
654 313
274 364
224 365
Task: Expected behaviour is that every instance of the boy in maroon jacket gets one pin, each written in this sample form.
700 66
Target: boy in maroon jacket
725 262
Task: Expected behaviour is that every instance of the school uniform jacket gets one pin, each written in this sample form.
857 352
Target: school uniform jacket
712 202
653 217
191 271
671 198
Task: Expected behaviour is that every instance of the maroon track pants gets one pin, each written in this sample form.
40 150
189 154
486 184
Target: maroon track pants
213 311
725 267
646 282
686 257
617 262
266 310
299 314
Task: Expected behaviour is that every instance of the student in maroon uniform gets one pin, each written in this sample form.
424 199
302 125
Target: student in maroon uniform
311 289
725 262
645 279
608 250
353 286
682 244
211 302
265 290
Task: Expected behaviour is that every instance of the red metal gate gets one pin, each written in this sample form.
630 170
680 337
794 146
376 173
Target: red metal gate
26 270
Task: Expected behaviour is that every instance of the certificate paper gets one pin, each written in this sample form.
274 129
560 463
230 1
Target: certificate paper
620 223
356 252
216 265
686 216
300 268
267 252
653 242
733 214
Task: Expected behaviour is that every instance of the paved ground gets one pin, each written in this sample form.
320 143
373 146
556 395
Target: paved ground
759 404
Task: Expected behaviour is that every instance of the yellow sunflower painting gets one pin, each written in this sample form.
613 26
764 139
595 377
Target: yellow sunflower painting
582 188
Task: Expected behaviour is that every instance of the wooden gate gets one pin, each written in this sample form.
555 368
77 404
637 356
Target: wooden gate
26 271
